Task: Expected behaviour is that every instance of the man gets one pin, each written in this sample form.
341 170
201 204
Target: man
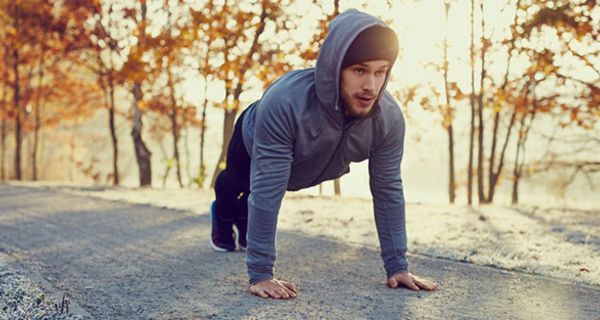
307 128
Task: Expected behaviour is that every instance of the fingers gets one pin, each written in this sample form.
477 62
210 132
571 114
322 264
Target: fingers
425 284
278 293
275 289
402 279
263 294
288 288
409 283
258 292
291 287
268 293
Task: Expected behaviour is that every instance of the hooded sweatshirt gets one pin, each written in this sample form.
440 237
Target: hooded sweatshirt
297 137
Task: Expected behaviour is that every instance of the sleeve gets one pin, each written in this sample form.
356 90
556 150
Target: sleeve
388 198
272 155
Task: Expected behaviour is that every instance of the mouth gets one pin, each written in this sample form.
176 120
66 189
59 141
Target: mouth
365 100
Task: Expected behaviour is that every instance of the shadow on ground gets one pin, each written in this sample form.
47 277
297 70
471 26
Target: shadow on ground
121 261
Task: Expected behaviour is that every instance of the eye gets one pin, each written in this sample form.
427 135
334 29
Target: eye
380 73
359 71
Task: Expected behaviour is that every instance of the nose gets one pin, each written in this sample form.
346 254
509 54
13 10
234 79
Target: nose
369 83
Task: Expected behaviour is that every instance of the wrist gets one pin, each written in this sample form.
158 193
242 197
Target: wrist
256 280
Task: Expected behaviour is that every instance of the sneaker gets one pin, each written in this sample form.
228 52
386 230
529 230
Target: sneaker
241 228
222 236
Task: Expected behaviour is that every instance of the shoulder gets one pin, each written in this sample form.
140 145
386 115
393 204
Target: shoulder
290 87
288 95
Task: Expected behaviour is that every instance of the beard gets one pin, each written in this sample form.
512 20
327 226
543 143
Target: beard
355 110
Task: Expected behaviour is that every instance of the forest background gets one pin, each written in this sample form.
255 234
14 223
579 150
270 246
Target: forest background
502 98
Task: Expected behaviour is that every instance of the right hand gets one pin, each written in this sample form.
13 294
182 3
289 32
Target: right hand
273 288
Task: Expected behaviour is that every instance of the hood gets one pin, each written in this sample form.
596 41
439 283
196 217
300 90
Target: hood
343 29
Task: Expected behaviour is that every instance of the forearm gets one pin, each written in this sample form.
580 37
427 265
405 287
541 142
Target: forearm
388 199
391 229
262 225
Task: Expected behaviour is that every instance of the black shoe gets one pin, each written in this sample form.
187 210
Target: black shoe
242 229
222 236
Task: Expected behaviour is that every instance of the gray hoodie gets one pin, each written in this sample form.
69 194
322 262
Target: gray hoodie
297 137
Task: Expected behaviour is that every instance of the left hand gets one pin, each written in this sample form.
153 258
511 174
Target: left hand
410 281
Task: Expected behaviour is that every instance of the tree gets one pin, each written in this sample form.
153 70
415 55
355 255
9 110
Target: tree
205 35
447 111
170 43
240 50
499 100
444 105
575 26
4 100
32 31
134 72
472 104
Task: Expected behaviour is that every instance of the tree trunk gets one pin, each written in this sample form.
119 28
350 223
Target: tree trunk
174 127
202 169
175 130
481 192
113 130
520 160
495 175
142 154
492 165
3 142
452 179
18 130
186 146
447 115
472 101
3 113
516 169
504 147
38 122
202 165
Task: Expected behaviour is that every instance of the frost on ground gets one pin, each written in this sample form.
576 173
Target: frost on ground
20 298
557 242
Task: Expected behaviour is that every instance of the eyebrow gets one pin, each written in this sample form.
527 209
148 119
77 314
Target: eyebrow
362 64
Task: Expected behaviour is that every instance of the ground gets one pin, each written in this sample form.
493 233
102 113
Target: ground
116 259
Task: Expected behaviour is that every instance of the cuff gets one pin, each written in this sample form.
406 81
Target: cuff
395 265
259 277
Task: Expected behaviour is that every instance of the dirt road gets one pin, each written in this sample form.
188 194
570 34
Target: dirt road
123 261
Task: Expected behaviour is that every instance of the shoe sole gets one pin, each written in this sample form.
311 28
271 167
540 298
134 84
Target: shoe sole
217 248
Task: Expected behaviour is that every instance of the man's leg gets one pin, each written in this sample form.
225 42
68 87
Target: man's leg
232 187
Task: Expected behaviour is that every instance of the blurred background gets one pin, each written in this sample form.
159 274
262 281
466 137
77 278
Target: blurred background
502 98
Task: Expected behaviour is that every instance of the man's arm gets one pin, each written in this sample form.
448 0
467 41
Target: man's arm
388 198
272 156
388 201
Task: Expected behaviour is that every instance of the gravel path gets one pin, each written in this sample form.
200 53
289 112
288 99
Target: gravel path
123 261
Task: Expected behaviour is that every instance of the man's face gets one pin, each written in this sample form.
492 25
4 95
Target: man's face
360 86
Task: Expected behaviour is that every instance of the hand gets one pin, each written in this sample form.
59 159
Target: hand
273 288
410 281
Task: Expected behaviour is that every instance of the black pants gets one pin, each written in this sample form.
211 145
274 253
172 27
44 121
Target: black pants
232 186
